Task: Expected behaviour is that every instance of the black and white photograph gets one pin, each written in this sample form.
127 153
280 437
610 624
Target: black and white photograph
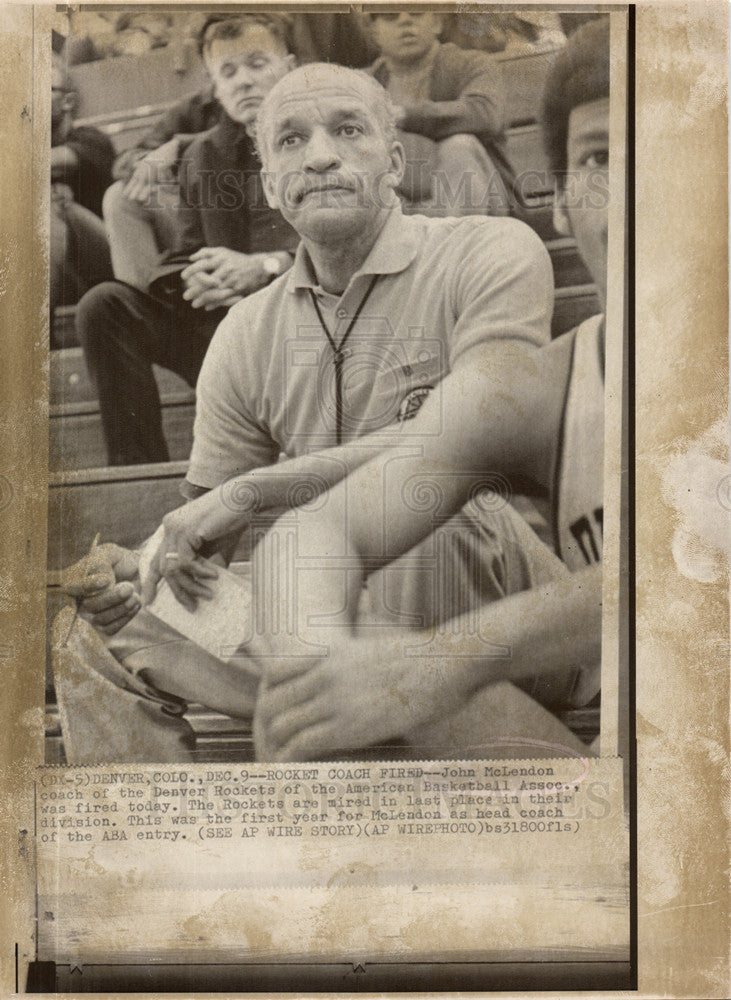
338 281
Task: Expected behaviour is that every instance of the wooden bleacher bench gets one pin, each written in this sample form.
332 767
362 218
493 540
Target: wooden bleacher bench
70 383
76 439
572 306
63 333
77 442
569 268
118 89
125 129
526 154
129 501
111 87
114 85
524 76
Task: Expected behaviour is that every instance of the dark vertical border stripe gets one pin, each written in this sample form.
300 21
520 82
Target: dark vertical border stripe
631 473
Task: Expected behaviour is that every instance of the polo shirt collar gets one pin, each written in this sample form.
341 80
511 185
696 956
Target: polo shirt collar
395 248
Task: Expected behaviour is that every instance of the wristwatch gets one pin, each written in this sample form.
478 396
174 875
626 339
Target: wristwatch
272 267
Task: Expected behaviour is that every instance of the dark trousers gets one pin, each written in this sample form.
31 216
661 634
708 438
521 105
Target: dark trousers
79 250
123 332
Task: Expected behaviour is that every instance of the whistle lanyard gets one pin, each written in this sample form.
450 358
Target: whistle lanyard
339 356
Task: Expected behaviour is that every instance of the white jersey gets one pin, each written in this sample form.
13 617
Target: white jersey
578 481
578 511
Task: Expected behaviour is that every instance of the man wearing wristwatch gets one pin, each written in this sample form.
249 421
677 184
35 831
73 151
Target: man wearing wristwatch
230 244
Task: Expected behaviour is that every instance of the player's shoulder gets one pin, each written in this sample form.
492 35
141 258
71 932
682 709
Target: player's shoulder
511 237
491 231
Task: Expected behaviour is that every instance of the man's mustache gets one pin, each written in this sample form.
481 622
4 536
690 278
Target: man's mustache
300 187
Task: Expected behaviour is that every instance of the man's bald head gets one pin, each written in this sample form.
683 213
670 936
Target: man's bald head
325 78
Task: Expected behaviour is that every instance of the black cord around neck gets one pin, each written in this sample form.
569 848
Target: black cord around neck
338 356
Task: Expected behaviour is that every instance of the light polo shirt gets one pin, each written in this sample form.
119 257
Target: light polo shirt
444 286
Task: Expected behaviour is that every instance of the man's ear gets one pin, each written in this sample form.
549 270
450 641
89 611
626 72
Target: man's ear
561 221
398 162
390 179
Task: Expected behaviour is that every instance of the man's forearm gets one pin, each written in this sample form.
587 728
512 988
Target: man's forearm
538 632
264 493
535 634
298 603
473 114
295 481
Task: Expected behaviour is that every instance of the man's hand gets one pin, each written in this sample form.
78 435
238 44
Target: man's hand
239 273
105 587
153 169
187 530
362 692
204 292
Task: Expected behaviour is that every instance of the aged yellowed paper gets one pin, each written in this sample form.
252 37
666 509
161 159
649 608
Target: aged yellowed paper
331 899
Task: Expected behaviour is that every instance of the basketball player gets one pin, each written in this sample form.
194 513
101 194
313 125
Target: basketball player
478 685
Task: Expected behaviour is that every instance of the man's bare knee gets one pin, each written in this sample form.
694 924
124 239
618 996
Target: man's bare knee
114 201
462 144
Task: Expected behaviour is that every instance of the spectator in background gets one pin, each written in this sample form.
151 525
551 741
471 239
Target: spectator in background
81 170
241 246
450 120
217 224
140 208
141 31
91 36
99 34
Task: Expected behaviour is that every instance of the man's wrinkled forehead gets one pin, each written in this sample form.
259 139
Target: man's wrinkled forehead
325 98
